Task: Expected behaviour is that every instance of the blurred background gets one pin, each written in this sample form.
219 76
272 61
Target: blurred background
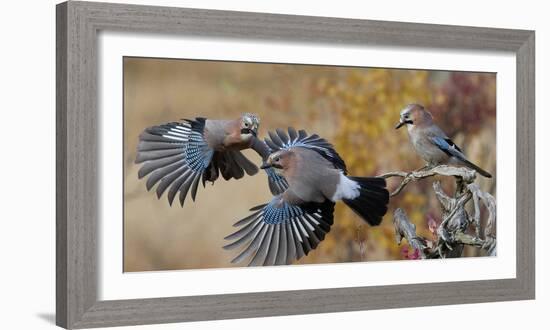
356 109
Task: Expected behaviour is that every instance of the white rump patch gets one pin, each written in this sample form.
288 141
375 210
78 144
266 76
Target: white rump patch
346 188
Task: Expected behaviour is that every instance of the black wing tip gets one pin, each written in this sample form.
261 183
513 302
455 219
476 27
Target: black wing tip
311 227
482 172
476 168
257 207
159 194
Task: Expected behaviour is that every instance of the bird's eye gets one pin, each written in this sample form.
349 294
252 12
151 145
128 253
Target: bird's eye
277 159
246 124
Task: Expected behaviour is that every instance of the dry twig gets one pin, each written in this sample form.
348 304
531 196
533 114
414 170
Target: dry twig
452 233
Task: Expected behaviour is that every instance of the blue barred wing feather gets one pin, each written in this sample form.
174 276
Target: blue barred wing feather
448 146
452 150
278 233
277 183
279 140
174 156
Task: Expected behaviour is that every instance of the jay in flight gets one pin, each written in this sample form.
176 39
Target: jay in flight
430 142
294 222
178 155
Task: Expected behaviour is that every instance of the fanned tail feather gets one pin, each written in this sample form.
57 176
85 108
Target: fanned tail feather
372 202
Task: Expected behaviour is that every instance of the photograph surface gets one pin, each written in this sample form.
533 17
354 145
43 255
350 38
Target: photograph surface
229 164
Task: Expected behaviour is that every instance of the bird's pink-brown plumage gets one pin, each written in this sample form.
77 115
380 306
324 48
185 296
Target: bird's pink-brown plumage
296 221
430 142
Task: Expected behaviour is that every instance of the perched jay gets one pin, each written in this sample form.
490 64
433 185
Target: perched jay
296 221
178 155
430 142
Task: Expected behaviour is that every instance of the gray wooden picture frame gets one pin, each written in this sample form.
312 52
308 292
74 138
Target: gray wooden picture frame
78 24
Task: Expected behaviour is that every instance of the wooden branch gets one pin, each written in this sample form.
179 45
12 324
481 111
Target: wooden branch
455 217
468 239
405 229
445 201
451 234
464 173
490 227
490 204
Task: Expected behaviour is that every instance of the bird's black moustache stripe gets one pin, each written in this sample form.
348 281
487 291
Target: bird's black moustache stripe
408 121
247 131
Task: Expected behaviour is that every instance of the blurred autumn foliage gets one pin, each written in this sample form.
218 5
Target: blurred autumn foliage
356 109
367 102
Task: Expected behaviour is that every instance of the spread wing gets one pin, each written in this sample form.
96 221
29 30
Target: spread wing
277 183
280 232
174 155
280 140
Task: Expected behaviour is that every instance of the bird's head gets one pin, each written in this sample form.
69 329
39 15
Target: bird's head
412 115
280 160
249 125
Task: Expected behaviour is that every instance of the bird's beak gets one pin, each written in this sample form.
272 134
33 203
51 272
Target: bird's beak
401 123
265 165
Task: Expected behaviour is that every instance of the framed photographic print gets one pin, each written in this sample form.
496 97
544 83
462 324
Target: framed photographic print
331 155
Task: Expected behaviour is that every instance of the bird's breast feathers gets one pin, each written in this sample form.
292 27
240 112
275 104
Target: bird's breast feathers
236 142
425 148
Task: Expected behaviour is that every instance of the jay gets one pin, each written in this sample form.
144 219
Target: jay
430 142
294 222
178 155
